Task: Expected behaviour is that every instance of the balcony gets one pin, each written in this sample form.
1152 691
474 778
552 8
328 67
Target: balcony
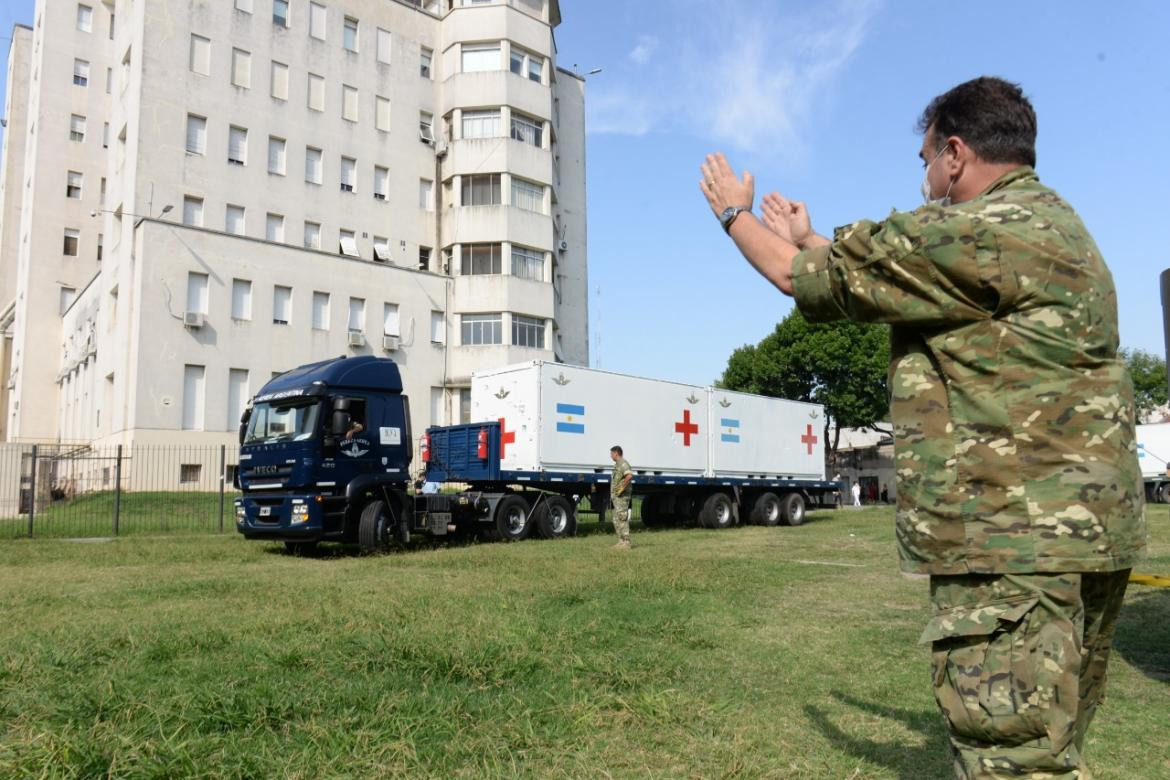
498 155
483 224
497 88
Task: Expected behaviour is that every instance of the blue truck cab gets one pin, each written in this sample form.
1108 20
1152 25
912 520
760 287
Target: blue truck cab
319 445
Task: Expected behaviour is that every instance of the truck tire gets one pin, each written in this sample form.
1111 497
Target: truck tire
1164 493
651 511
792 509
374 527
555 518
512 520
766 510
300 548
717 512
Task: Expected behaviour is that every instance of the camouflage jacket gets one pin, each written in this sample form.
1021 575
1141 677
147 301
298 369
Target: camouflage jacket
620 469
1013 417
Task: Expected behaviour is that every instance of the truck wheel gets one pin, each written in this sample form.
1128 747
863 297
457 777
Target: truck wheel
651 511
792 509
716 512
555 518
374 527
513 521
766 510
1164 493
300 548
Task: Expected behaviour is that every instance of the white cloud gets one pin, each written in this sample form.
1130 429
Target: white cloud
748 81
642 53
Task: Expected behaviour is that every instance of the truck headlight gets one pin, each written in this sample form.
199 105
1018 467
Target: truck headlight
240 514
300 513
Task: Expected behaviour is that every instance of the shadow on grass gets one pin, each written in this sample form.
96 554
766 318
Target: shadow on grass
1143 632
910 763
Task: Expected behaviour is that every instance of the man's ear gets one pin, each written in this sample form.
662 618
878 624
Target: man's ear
958 156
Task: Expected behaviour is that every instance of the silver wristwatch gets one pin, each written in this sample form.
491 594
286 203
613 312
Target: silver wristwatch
729 214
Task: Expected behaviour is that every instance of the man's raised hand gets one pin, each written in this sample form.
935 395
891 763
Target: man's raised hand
786 218
722 187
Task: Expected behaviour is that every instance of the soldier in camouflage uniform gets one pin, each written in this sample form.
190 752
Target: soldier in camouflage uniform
620 494
1019 491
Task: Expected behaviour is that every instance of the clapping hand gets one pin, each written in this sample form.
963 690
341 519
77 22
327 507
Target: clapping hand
786 218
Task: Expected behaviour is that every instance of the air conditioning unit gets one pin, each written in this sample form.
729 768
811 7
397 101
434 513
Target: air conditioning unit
440 149
357 338
193 319
562 245
390 343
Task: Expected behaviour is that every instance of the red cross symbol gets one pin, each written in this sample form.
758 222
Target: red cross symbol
686 428
809 439
506 437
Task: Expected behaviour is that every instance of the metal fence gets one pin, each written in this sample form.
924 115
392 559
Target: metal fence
82 491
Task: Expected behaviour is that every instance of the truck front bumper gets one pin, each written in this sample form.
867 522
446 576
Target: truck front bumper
280 517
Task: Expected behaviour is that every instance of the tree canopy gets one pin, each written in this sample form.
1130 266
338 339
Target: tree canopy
1149 380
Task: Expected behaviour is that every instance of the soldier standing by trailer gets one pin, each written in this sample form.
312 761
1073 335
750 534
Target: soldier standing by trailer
1019 488
620 494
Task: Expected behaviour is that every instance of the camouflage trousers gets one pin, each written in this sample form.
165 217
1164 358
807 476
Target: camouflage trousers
621 516
1019 668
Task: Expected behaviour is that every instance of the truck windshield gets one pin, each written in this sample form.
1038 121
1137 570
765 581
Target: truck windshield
282 422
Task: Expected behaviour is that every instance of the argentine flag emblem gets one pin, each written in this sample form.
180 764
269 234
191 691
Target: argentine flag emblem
570 418
730 430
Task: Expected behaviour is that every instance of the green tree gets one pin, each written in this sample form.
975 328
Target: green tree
841 365
1149 380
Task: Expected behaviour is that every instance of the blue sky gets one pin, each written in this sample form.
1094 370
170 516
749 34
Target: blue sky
819 101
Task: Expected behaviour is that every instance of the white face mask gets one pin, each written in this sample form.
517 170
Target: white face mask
945 200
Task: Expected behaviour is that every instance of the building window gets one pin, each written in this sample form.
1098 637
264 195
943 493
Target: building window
525 63
279 80
526 130
192 413
320 311
425 57
349 35
244 5
527 332
317 21
199 60
424 258
481 259
77 128
348 174
316 92
84 18
527 263
382 113
390 326
381 182
312 235
102 193
65 298
481 190
438 322
190 473
197 292
347 243
281 305
280 13
192 211
274 227
481 57
105 135
357 315
349 103
241 299
312 165
237 396
241 68
527 195
426 127
100 244
383 46
196 134
481 124
477 329
71 239
426 194
276 155
234 220
381 249
237 145
81 73
109 80
73 185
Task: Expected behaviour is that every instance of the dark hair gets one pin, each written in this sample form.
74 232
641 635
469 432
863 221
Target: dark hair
991 115
617 449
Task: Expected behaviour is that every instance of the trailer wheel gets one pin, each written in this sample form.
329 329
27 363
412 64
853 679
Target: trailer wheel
716 512
512 519
300 548
1164 493
374 527
555 518
766 510
651 511
792 509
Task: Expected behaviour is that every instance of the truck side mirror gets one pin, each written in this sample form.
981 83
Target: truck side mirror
244 418
341 404
339 425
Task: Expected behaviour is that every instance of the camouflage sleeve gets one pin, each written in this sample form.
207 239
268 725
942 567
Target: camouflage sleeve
924 268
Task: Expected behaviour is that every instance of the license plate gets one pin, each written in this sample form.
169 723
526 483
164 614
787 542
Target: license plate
265 511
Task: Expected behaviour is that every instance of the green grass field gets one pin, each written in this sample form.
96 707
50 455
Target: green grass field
142 512
753 652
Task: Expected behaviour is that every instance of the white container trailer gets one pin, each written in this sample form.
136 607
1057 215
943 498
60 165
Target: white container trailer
1153 443
694 450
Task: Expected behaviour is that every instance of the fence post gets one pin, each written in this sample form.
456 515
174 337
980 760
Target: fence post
117 489
222 469
32 493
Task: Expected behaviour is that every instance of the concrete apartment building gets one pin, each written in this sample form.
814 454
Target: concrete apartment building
198 195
